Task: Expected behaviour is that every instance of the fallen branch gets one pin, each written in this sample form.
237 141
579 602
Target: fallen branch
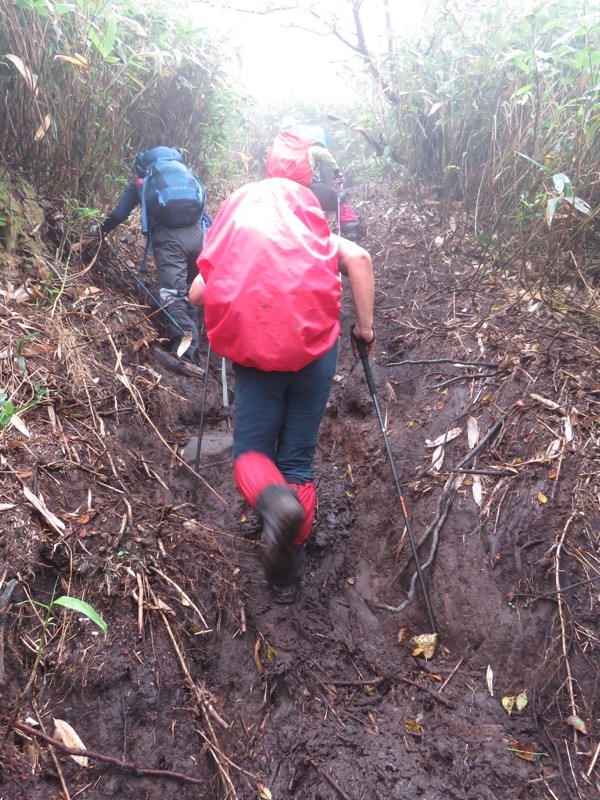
443 508
205 701
455 361
449 678
329 779
181 593
460 378
429 691
366 682
563 630
117 762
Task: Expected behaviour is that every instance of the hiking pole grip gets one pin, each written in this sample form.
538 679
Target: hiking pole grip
364 357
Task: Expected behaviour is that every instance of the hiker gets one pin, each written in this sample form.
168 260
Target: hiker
270 285
173 219
306 147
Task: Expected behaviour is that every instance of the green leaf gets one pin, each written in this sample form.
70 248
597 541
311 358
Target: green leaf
523 90
74 604
562 184
579 204
109 37
537 163
7 409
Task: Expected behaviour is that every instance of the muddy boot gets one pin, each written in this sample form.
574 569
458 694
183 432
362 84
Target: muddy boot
282 517
285 593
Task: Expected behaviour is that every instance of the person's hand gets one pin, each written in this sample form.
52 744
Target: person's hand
364 335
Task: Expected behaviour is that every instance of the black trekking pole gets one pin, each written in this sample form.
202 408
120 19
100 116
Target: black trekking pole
364 357
157 303
201 427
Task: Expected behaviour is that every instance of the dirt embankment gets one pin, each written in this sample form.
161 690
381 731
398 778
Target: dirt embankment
490 407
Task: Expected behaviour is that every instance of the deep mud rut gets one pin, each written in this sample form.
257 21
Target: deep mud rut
204 676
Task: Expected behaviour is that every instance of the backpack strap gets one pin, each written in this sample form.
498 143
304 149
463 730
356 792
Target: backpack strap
206 221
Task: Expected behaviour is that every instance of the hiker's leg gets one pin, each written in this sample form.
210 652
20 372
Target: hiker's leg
306 401
170 249
259 410
327 197
258 417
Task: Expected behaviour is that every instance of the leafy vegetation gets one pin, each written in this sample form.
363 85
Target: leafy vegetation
489 103
88 83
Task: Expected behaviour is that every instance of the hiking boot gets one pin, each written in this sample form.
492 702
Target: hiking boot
285 593
349 229
282 517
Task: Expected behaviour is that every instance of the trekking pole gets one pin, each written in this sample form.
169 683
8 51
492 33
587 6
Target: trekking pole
144 288
339 209
201 427
364 357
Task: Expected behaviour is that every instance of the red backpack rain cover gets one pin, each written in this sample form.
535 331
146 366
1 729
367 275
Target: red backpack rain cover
272 293
288 158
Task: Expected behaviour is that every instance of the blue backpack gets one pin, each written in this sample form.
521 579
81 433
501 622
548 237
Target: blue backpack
170 193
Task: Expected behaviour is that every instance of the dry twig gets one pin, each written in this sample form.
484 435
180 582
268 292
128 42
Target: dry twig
117 762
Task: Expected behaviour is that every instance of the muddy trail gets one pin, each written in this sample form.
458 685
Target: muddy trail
203 687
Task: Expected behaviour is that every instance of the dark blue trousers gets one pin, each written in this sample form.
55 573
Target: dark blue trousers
279 413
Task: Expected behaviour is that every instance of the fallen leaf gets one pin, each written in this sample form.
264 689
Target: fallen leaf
67 735
542 498
18 423
264 792
259 666
38 502
20 294
472 432
524 751
184 344
548 403
271 653
446 437
578 724
489 679
425 645
412 726
554 447
508 703
7 506
521 700
477 490
437 459
568 430
403 634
